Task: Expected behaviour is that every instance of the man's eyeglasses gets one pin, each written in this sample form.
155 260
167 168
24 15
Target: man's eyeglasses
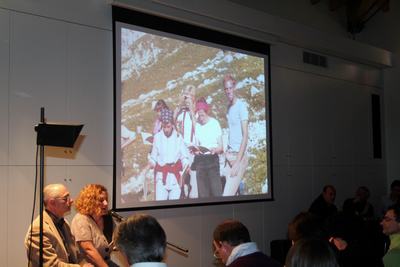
66 198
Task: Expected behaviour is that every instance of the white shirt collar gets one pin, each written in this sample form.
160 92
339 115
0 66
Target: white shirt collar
242 250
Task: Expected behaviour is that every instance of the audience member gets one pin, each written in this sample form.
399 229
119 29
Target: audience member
391 227
359 206
306 225
59 247
88 225
324 206
309 226
142 241
234 248
311 253
393 198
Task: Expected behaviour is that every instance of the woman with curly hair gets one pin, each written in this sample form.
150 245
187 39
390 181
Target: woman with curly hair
88 224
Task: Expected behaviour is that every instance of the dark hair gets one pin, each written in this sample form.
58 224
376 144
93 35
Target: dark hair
160 105
311 253
141 238
231 231
305 225
395 183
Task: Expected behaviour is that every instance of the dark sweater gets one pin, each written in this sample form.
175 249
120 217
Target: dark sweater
256 259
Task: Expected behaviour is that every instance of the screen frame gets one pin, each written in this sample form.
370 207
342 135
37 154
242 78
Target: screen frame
161 24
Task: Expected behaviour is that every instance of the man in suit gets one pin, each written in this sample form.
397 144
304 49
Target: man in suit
59 247
233 247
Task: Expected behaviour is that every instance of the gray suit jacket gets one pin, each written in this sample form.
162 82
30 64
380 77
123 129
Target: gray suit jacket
54 251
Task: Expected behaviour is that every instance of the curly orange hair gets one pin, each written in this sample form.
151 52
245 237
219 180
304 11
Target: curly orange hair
87 202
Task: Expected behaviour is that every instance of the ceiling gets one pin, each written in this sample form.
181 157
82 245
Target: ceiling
358 12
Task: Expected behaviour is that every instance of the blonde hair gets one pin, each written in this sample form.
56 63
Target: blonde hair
188 90
87 202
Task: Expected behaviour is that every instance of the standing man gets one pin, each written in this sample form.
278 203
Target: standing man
234 248
185 125
142 241
59 247
391 227
169 157
236 157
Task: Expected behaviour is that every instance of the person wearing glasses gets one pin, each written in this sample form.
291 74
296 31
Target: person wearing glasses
59 247
233 247
391 227
90 225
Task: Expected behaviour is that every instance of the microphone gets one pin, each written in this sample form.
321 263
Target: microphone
116 215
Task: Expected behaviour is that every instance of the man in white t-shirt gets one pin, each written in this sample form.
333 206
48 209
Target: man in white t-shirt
169 157
236 157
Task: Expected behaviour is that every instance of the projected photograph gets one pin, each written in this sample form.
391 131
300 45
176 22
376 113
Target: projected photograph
192 121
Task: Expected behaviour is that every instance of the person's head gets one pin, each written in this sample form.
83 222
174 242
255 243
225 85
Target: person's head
311 253
188 95
229 87
391 221
305 225
329 194
160 105
362 193
167 121
57 199
202 109
141 239
395 190
227 235
92 200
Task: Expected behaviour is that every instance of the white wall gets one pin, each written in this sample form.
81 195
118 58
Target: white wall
382 31
58 54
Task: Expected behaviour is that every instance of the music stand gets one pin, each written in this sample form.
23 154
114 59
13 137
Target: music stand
50 134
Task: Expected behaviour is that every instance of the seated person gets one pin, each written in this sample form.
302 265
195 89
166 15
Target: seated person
88 225
142 241
359 206
324 205
234 248
59 247
311 253
391 227
392 199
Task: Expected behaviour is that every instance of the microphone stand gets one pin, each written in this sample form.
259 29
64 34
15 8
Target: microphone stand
41 197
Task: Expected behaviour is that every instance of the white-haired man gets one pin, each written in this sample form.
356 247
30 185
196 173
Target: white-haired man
59 246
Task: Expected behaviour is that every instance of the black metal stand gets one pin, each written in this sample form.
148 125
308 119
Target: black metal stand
41 198
51 135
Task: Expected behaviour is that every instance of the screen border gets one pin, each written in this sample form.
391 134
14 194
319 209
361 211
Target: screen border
191 31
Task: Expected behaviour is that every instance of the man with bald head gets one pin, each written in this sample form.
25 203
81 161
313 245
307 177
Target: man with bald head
59 247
